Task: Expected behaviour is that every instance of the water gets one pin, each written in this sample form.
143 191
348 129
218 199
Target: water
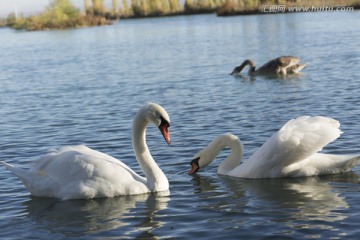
85 86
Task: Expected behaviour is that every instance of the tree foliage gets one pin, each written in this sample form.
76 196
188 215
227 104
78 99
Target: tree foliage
59 14
143 8
62 14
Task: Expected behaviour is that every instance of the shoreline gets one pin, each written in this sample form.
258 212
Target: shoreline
227 9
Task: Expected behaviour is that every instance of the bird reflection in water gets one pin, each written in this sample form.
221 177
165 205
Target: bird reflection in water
286 199
124 215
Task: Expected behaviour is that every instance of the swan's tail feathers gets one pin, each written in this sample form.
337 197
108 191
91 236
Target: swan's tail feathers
20 173
350 162
322 164
331 164
297 68
7 166
291 61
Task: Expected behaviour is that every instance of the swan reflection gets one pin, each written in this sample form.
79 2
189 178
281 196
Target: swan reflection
125 214
251 78
311 198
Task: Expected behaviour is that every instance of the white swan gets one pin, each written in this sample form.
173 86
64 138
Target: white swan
291 152
281 65
76 172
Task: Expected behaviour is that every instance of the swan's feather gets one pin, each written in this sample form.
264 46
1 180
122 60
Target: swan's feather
321 164
58 157
293 151
73 172
287 61
283 62
302 137
295 142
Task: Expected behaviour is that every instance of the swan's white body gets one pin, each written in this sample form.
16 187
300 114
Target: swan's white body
76 172
291 152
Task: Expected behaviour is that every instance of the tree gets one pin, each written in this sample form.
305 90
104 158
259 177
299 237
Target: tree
58 14
98 7
174 5
87 6
125 11
114 7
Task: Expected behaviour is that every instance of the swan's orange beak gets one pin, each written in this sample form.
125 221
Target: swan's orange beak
194 166
165 132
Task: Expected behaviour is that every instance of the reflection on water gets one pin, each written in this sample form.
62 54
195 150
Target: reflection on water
85 86
289 77
126 214
305 200
320 202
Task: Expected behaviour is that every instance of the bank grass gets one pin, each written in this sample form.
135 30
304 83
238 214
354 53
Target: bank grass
150 8
202 6
60 14
39 22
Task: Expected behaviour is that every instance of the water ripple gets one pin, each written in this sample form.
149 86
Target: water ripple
84 87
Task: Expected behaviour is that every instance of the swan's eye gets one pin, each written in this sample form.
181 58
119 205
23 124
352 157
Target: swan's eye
164 122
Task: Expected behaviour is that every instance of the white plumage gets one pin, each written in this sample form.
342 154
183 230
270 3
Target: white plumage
74 172
293 151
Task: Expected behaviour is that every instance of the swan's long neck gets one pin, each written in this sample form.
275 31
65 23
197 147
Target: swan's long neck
231 161
234 159
251 64
156 179
238 69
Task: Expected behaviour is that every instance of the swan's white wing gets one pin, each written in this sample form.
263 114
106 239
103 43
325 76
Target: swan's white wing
57 156
80 172
302 137
297 140
321 164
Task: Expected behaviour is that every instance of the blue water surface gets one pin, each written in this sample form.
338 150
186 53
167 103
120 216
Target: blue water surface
84 86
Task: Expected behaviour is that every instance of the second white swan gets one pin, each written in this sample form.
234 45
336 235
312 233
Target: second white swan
291 152
76 172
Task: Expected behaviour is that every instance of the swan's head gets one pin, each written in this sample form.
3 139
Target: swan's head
160 118
238 69
206 156
203 158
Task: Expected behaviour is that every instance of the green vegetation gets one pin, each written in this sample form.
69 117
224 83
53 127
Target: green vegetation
204 6
61 14
146 8
152 8
233 7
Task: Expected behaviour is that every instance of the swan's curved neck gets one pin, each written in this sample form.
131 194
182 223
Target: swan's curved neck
156 179
251 64
236 148
234 159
